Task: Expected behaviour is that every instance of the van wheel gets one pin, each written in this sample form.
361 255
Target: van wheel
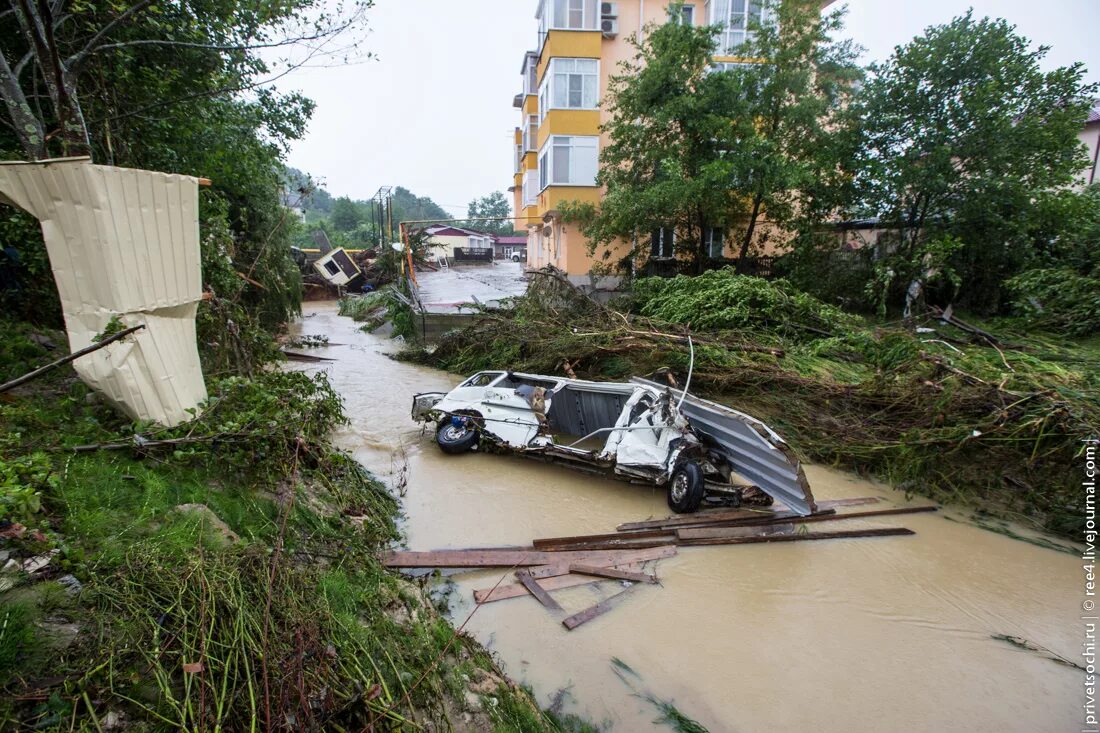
686 488
455 439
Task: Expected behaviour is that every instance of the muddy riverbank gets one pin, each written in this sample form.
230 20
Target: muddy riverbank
847 635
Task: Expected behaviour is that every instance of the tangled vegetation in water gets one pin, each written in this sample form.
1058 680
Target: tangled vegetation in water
941 413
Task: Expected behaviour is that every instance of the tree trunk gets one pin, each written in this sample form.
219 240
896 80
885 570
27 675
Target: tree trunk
36 20
28 128
749 232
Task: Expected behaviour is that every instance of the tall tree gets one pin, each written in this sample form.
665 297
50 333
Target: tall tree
787 162
346 214
964 136
707 151
60 47
486 214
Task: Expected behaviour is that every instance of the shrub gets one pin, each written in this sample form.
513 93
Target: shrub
1059 299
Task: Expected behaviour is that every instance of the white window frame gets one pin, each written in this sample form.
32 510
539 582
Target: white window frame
531 134
735 26
530 74
721 241
530 188
550 154
562 71
568 15
519 156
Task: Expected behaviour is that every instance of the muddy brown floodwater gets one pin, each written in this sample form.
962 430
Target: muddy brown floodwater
844 635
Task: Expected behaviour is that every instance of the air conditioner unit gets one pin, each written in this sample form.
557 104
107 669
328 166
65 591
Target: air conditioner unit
609 10
609 27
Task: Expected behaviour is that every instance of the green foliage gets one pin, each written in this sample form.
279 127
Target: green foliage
966 423
724 300
962 133
493 206
1058 299
694 149
22 482
346 215
18 638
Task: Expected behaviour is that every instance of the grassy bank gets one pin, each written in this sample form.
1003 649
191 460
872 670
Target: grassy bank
223 574
938 411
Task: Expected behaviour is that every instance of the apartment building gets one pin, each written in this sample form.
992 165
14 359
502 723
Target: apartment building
579 46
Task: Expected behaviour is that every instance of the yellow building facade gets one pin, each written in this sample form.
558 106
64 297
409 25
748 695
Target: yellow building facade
557 142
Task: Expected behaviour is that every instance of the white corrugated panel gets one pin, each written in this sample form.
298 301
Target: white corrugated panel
123 242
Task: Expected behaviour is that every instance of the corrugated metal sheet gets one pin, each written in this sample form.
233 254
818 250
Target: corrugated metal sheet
753 449
122 242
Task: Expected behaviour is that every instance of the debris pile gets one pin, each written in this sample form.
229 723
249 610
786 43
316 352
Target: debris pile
555 563
936 406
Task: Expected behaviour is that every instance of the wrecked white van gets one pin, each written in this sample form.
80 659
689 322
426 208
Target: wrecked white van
639 431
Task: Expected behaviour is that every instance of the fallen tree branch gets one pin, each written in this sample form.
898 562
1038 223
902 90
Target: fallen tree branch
66 359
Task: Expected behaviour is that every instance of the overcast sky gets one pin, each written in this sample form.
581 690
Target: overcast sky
434 112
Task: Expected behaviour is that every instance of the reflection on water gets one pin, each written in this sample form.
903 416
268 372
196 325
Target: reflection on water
845 635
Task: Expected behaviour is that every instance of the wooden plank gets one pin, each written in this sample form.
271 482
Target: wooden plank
547 543
537 590
514 590
705 516
612 573
804 536
695 533
524 557
721 515
549 571
593 611
752 518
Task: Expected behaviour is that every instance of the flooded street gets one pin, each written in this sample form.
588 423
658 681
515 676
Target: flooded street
844 635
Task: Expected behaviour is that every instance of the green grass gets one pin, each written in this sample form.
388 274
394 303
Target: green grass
296 626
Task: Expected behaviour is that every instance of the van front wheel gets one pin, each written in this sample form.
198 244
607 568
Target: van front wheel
686 488
455 438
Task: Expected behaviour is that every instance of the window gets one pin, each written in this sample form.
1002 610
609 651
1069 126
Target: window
530 73
662 243
570 15
519 156
735 16
686 16
729 65
716 243
569 160
570 84
332 267
530 188
531 134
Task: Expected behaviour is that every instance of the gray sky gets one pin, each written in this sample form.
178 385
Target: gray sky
434 112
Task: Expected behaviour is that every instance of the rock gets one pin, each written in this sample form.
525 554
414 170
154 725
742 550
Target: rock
472 702
59 633
43 341
213 521
114 720
486 683
71 584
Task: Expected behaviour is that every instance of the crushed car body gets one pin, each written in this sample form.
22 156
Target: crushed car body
640 430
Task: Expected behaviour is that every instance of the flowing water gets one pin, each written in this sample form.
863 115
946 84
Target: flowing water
843 635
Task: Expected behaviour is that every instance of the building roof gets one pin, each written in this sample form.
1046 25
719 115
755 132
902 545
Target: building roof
446 230
1094 115
511 240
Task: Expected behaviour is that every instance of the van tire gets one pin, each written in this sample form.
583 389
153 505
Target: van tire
686 488
454 440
